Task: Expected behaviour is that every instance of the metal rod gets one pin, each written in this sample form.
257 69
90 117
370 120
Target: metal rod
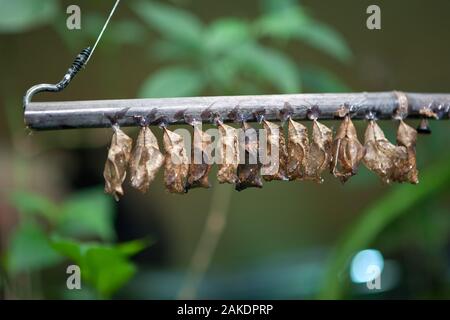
100 113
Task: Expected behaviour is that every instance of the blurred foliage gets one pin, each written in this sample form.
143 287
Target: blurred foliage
228 55
377 217
23 15
287 20
121 32
47 233
105 267
225 56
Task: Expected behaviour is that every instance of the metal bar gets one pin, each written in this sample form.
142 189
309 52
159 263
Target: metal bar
98 113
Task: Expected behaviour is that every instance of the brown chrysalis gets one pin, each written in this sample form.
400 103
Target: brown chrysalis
176 162
319 156
406 171
382 157
228 154
116 164
200 160
146 160
249 172
276 142
347 151
298 149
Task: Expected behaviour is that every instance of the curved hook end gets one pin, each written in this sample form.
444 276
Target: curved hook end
77 65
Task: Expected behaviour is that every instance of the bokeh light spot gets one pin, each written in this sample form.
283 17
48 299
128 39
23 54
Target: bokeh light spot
366 266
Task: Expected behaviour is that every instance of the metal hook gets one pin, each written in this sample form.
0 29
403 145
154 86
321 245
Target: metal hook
79 62
76 66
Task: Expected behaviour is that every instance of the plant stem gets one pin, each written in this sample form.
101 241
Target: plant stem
211 234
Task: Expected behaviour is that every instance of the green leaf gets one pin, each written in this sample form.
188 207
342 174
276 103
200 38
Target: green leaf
222 38
326 39
171 22
108 269
89 213
30 250
33 204
22 15
69 248
271 65
226 34
76 251
131 248
173 82
282 24
320 80
399 200
105 267
296 24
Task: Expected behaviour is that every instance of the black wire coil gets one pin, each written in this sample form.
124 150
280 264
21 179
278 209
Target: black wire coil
76 66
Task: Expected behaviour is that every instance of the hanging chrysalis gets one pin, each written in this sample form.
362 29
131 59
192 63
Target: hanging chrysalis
382 157
249 172
116 164
176 162
146 160
347 151
319 156
406 171
200 159
276 142
228 153
298 149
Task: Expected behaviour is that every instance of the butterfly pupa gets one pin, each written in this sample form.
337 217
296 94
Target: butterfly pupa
319 156
200 165
176 162
381 156
298 149
115 170
276 150
146 160
406 171
228 154
347 151
249 172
